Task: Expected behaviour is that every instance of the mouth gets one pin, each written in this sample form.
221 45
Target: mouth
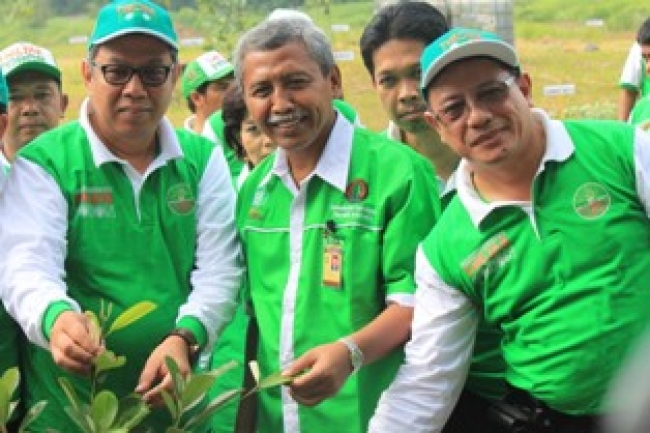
286 121
415 113
485 138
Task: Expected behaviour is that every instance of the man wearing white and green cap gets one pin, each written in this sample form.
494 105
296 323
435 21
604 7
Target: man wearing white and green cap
36 99
115 209
203 84
547 239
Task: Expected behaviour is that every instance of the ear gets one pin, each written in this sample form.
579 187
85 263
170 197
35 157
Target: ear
336 82
525 84
64 104
176 72
86 73
197 99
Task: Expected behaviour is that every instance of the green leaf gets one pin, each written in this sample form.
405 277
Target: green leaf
171 405
80 418
9 380
195 390
69 391
223 369
131 411
215 405
276 379
31 415
5 398
104 410
131 315
107 360
95 330
177 377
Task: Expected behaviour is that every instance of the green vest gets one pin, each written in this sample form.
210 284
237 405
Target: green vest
390 205
571 299
118 257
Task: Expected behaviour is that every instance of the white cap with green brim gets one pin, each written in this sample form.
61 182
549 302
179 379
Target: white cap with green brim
210 66
123 17
458 44
23 56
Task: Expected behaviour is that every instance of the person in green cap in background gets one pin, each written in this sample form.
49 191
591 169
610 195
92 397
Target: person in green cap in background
33 101
36 99
120 174
204 82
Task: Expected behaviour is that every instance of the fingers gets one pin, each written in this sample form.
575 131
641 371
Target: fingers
71 343
155 376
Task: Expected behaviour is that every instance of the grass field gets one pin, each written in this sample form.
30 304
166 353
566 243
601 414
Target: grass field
553 52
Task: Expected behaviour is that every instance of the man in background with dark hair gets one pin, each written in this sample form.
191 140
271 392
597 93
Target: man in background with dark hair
391 45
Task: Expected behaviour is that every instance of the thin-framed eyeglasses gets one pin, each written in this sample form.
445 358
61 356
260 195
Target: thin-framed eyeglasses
117 74
489 95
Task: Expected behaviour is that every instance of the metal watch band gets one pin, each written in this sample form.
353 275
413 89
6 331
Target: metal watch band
356 355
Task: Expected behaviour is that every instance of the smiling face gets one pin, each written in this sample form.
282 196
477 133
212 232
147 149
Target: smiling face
128 115
289 97
256 144
480 119
36 104
397 79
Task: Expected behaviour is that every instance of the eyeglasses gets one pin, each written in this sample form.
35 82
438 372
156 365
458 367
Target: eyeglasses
119 75
489 95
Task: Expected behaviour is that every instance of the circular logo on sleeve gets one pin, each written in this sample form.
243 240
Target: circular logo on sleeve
180 199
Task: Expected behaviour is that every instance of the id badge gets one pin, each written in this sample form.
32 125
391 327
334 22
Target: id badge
332 261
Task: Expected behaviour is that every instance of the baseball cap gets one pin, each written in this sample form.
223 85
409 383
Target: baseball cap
210 66
23 56
4 91
459 43
123 17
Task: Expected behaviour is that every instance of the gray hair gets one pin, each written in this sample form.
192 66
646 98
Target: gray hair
275 33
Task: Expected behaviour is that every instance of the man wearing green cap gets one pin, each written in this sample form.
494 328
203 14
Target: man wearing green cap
203 83
36 103
115 209
547 239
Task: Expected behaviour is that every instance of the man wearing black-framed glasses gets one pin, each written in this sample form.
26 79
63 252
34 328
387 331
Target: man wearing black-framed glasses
116 209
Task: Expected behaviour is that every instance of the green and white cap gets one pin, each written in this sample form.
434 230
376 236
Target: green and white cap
210 66
458 44
4 91
23 56
123 17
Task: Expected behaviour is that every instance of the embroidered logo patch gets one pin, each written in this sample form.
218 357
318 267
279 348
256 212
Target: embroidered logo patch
490 250
180 199
356 191
95 202
591 200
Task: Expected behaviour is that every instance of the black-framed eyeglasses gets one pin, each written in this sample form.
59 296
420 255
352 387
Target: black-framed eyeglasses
489 95
118 75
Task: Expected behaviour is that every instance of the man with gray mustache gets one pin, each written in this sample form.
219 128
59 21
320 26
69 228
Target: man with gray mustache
329 226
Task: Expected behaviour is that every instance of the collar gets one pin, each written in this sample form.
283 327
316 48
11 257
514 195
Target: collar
559 147
169 145
393 132
188 123
5 165
333 164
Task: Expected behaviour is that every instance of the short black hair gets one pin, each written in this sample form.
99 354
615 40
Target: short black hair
415 20
643 34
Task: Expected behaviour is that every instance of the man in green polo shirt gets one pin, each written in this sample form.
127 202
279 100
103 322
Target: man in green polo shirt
115 209
329 224
547 239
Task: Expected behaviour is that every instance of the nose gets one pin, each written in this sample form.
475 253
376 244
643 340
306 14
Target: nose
408 90
134 87
477 114
29 106
281 100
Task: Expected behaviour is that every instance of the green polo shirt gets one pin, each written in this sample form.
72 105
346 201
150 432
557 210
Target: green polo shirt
389 204
118 254
567 286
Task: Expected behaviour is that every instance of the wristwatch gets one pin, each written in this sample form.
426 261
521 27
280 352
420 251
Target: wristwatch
356 355
193 348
